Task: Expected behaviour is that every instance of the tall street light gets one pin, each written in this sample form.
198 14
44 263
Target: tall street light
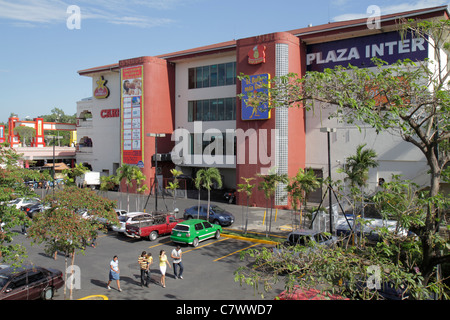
328 131
156 135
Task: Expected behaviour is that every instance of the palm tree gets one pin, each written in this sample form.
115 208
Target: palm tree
175 184
269 185
206 178
300 185
357 166
357 173
129 173
246 188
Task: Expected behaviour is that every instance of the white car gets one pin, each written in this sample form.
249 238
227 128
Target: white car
131 217
20 202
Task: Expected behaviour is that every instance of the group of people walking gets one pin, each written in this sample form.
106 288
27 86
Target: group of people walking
145 260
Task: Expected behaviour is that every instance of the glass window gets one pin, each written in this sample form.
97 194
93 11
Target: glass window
220 110
192 78
221 75
213 110
230 73
213 75
199 77
18 282
191 111
229 108
205 77
35 277
207 224
198 227
198 111
206 112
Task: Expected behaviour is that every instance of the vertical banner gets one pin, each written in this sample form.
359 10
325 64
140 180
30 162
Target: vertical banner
2 134
132 129
253 85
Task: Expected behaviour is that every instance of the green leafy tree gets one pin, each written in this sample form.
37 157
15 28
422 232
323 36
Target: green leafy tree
12 186
108 182
72 173
25 133
61 228
206 179
304 182
247 189
268 185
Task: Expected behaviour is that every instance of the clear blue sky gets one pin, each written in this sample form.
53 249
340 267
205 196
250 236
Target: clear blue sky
40 55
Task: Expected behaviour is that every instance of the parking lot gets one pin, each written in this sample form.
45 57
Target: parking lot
208 269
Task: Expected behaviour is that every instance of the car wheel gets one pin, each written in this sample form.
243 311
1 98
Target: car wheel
153 236
195 242
216 222
47 294
189 218
217 236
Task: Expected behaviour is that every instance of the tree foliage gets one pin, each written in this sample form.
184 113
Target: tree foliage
12 185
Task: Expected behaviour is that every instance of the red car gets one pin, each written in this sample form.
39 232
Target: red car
29 282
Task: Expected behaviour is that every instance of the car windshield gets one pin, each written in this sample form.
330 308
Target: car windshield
180 227
217 209
3 281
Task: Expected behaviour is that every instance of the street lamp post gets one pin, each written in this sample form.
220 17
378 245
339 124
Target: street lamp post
156 135
328 131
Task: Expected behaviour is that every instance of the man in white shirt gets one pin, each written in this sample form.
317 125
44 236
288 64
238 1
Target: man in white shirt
176 256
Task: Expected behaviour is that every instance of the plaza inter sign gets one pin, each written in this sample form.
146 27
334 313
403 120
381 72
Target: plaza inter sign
358 52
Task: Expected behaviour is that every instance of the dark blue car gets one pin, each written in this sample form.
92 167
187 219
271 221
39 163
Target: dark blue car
217 215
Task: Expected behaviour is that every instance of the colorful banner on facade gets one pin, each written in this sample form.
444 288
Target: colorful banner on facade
358 52
132 111
250 87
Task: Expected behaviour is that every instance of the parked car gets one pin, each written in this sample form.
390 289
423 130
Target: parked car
161 224
302 236
108 224
194 231
306 237
33 208
20 202
131 217
230 196
29 282
217 215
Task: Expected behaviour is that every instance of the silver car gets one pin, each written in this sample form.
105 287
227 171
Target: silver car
306 237
131 217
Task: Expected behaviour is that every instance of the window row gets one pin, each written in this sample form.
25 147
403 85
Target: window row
225 142
212 109
212 76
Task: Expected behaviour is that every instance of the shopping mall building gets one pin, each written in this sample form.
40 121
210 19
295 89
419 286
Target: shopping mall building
191 97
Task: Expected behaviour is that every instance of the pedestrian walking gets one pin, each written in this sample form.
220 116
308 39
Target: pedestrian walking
144 266
163 263
177 264
114 273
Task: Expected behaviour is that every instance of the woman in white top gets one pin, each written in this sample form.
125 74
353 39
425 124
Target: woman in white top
114 273
162 266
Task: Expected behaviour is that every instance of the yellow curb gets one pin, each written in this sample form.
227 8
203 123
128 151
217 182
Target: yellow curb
249 239
95 297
